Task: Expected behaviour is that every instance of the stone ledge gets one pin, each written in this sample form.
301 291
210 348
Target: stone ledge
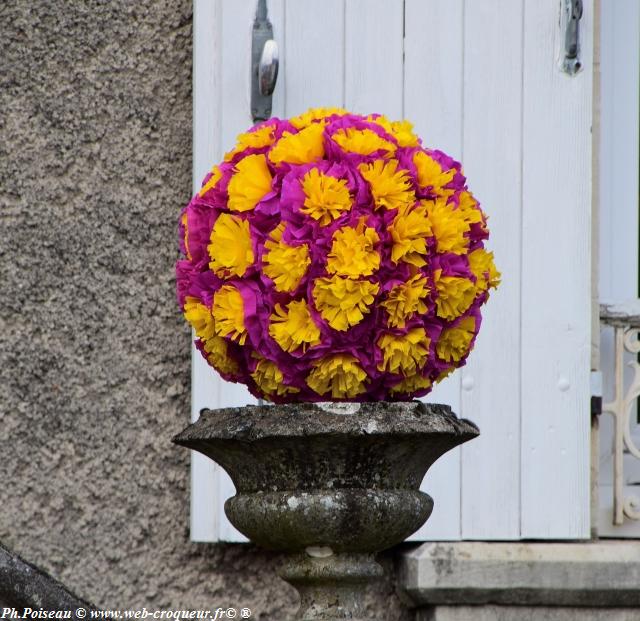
525 613
621 313
596 574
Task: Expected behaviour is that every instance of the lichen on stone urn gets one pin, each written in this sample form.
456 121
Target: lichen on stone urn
326 479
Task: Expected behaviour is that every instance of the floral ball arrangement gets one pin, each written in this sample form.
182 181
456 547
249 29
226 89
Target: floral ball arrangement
333 257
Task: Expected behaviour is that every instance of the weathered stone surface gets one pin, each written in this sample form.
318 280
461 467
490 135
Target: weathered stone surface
332 587
23 585
597 574
309 474
343 519
525 613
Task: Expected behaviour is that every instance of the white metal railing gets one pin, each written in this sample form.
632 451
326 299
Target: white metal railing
624 318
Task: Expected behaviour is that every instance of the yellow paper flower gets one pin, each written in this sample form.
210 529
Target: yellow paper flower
302 148
390 187
199 316
230 248
404 354
257 139
409 231
343 302
455 295
411 384
314 114
284 264
402 131
431 174
484 269
405 300
445 374
362 141
228 313
449 226
250 184
216 175
326 197
216 349
340 375
353 251
453 343
293 327
468 206
270 379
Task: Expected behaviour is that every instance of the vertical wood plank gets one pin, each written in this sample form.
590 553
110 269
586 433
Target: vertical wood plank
492 146
433 102
222 61
373 57
315 54
618 164
206 148
433 72
237 24
556 297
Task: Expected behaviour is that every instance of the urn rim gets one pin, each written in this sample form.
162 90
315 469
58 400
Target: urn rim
376 418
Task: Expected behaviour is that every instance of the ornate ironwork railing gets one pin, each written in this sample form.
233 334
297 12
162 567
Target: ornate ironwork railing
625 320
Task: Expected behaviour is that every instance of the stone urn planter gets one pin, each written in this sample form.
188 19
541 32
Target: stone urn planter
329 483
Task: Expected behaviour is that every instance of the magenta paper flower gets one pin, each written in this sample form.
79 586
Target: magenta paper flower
333 257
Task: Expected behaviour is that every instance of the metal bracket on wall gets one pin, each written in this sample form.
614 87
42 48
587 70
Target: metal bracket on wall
264 64
573 14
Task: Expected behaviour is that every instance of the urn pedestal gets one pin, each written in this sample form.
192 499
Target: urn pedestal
329 483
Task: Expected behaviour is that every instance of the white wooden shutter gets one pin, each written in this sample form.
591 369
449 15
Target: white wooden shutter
480 80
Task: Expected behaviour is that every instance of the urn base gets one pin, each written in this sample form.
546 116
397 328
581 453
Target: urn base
331 586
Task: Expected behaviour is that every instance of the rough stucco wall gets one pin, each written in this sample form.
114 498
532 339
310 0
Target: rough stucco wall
95 162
